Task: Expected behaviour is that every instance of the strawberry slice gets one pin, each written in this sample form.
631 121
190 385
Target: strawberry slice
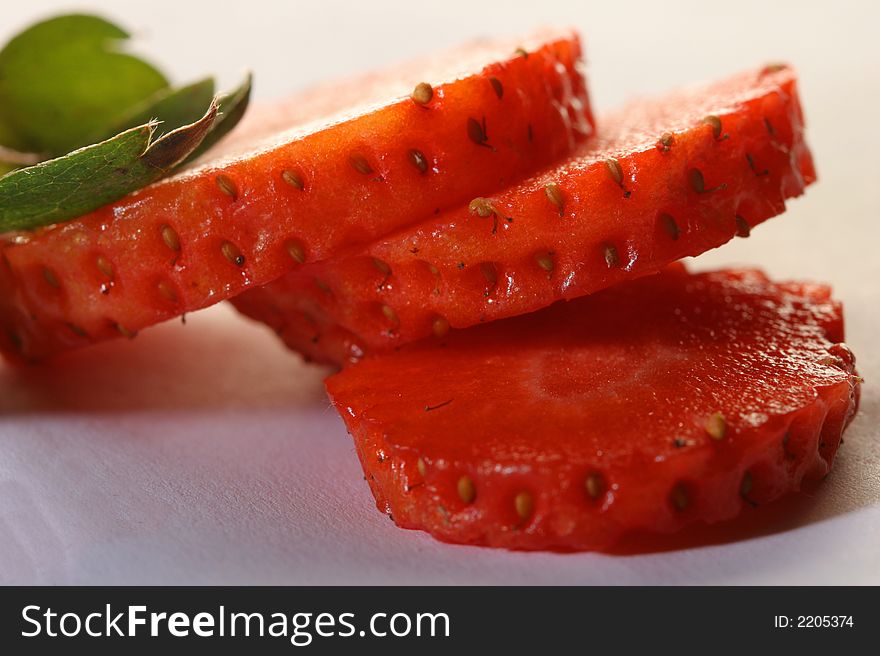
343 165
667 400
666 178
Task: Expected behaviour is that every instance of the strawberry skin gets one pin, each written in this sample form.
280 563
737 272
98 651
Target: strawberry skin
670 399
664 179
337 167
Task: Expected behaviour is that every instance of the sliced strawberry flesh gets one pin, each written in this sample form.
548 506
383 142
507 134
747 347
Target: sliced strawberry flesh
667 400
664 179
252 213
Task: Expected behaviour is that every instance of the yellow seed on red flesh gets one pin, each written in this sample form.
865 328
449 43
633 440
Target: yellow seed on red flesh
595 485
612 259
125 332
716 426
293 178
170 237
382 266
230 252
772 68
166 289
545 261
227 186
524 503
715 123
440 327
554 195
360 164
615 170
466 491
296 250
390 314
422 94
482 207
418 159
104 266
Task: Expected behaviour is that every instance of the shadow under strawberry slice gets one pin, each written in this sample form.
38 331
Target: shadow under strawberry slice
666 401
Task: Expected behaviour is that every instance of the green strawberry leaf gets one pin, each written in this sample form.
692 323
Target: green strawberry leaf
65 84
175 107
66 79
93 176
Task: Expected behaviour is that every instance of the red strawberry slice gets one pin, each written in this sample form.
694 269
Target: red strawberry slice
298 318
667 400
343 165
666 178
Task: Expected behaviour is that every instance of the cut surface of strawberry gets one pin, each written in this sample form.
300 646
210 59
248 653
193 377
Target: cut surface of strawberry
667 400
664 179
335 167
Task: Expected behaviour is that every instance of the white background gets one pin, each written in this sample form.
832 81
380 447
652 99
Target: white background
205 453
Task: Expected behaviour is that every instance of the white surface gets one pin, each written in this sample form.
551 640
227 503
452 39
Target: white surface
207 454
